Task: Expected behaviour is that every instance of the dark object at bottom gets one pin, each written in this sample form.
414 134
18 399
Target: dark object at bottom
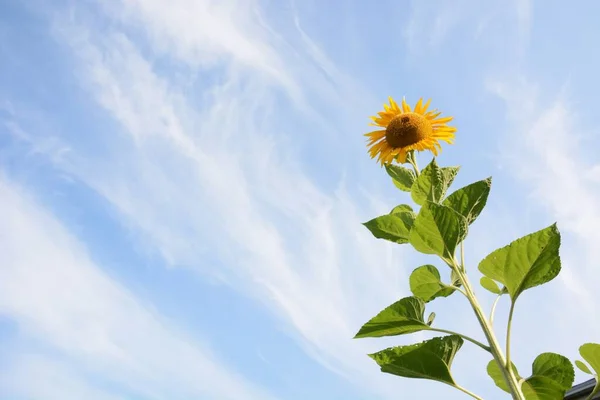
582 391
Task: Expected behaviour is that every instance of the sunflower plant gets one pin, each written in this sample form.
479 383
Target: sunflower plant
438 224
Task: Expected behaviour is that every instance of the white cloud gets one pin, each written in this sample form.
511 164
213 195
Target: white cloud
41 377
56 294
215 182
204 32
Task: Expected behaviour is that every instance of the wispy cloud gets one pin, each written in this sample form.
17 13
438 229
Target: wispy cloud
58 297
216 183
53 380
217 178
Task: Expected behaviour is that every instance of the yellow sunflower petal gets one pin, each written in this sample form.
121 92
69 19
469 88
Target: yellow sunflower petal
377 148
383 155
379 133
405 106
432 114
373 140
419 106
384 119
394 105
381 122
444 128
401 156
426 106
442 120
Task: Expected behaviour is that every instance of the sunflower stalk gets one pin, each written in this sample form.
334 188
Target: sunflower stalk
439 227
509 377
412 160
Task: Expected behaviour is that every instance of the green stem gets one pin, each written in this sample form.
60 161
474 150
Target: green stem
457 289
462 257
470 339
596 389
494 309
508 330
496 350
473 395
413 161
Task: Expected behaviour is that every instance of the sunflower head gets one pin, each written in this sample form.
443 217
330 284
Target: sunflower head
405 130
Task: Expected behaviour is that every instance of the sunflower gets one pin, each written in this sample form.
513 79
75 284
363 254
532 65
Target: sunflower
406 130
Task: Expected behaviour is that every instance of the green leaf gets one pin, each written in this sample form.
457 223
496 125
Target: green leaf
402 208
393 227
438 230
552 375
591 353
426 284
470 200
448 175
431 359
429 184
555 367
525 263
542 388
402 177
404 316
490 285
495 373
584 368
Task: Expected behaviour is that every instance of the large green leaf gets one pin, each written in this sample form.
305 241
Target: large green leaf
527 262
555 367
425 283
431 359
470 200
438 230
552 375
393 227
402 177
495 373
407 315
430 184
542 388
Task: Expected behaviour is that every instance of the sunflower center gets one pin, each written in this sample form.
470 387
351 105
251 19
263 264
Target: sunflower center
406 129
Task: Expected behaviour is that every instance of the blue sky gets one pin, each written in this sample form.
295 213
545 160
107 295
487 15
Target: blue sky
182 185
